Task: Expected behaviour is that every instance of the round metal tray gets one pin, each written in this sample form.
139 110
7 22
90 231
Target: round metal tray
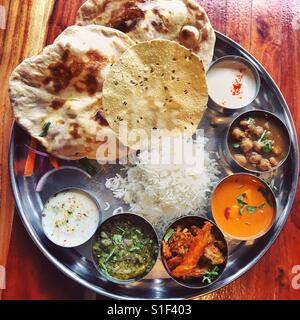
77 264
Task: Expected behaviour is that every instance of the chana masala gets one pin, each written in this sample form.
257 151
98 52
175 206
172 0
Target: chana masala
258 142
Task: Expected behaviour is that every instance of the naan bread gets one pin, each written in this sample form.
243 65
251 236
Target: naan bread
156 87
183 21
61 90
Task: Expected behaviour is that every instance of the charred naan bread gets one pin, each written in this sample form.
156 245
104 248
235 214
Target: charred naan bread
57 95
183 21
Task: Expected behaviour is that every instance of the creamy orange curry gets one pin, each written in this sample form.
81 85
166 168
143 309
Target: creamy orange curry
243 207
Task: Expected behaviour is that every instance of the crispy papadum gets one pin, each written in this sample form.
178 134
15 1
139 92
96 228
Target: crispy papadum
157 85
183 21
57 95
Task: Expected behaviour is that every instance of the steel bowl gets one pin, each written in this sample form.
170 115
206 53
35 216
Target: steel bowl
220 108
91 196
197 283
272 199
146 228
261 113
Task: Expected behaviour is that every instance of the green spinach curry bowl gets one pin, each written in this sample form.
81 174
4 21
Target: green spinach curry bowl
125 248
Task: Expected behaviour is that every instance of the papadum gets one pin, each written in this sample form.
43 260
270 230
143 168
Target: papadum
157 85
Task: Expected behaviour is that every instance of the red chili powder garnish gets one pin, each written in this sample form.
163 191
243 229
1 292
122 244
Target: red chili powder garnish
237 85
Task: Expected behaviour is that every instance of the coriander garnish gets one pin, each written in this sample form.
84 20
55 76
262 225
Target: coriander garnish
267 146
45 129
250 120
262 136
240 200
245 206
210 276
169 235
236 145
117 238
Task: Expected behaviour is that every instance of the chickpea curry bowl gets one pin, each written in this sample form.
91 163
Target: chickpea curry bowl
258 141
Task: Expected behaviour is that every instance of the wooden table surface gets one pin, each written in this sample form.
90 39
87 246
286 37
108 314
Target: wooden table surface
270 30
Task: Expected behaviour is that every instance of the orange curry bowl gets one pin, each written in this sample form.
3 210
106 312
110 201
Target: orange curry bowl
243 206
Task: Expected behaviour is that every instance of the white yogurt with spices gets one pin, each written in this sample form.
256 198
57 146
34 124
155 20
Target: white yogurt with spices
231 84
70 218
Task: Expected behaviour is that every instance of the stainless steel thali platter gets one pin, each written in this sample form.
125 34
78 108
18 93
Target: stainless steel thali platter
77 263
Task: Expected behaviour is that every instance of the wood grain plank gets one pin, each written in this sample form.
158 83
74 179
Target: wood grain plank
217 13
27 32
64 15
4 12
266 34
276 45
269 29
35 278
232 18
27 23
290 61
239 22
275 42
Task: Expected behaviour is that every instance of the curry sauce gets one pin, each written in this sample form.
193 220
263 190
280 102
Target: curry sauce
243 207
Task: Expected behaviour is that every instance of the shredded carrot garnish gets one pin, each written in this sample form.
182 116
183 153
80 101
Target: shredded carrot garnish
30 161
54 162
